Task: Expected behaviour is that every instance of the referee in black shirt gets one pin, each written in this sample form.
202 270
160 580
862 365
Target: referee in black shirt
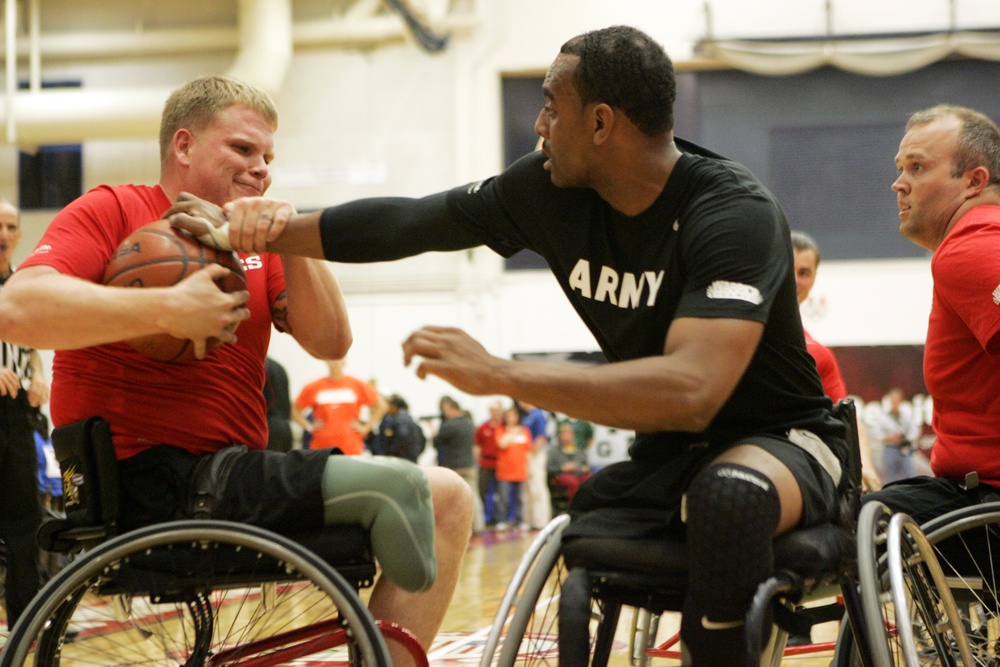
22 387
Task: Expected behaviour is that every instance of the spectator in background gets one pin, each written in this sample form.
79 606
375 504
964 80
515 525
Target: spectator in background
514 442
454 442
398 434
486 443
583 433
537 502
899 429
807 257
23 387
335 402
567 463
279 406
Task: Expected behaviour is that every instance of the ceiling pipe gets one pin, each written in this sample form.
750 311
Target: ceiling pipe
352 29
265 37
10 22
54 116
264 41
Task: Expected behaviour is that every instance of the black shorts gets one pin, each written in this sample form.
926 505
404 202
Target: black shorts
926 498
279 491
634 499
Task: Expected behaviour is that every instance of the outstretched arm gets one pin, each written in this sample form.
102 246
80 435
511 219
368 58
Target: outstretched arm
368 230
682 389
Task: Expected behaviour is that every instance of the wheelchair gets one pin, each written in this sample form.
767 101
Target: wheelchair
531 627
197 592
930 592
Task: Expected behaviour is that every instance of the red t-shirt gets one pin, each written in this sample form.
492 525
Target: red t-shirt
200 406
961 362
486 440
512 460
829 370
336 404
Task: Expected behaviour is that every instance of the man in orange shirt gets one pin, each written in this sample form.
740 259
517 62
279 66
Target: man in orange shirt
336 402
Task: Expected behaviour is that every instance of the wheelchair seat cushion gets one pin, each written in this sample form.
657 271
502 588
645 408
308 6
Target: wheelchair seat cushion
814 553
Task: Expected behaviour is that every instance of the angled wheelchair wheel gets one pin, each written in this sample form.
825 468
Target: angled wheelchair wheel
525 628
194 592
516 628
966 544
928 627
873 523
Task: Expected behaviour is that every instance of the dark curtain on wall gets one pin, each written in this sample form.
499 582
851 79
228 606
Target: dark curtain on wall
825 142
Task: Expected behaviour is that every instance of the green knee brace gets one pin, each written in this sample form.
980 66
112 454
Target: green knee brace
391 498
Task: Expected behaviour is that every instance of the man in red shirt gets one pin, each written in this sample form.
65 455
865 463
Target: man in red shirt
948 193
216 143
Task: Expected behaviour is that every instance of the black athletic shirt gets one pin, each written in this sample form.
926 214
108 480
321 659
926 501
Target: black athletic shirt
715 244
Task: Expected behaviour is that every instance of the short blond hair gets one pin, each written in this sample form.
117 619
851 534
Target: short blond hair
196 103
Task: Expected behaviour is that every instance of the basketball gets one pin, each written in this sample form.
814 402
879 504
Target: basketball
157 255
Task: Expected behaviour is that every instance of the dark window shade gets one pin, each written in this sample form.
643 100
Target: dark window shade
53 176
824 142
50 178
834 183
522 100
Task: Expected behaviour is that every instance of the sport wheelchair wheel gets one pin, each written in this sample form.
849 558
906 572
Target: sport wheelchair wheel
525 629
928 626
966 544
194 593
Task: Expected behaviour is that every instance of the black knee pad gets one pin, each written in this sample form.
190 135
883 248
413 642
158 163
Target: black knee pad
731 514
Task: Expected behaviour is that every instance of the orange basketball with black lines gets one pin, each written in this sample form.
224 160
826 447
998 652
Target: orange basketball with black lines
157 255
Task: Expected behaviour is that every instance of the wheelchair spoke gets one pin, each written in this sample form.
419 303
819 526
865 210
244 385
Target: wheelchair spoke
172 600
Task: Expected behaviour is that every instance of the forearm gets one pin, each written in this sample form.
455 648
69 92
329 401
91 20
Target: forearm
54 311
378 411
301 237
300 419
389 228
317 315
652 394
